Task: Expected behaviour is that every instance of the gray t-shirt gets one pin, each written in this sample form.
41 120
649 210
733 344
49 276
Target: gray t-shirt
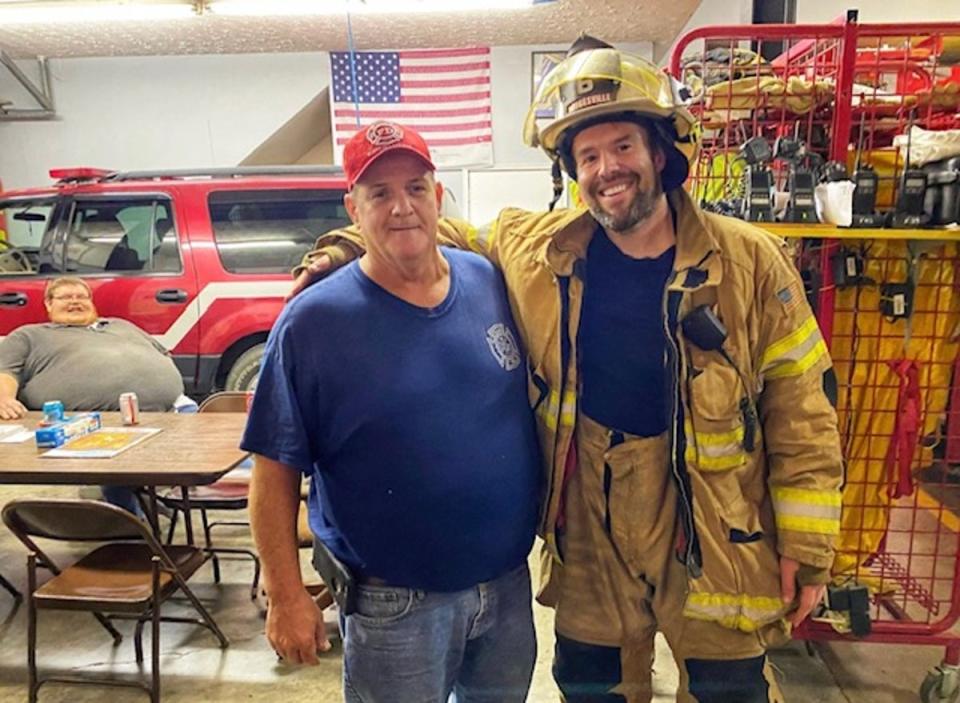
88 367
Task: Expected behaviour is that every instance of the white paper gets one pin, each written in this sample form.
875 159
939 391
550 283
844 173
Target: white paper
126 437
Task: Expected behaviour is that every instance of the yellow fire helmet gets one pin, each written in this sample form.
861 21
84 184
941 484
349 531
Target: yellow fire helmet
596 83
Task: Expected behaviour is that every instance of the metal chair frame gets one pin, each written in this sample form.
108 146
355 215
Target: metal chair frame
94 521
225 401
17 596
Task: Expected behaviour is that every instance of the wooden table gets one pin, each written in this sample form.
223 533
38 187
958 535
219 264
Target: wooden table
192 450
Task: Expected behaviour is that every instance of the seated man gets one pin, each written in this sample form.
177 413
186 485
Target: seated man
85 361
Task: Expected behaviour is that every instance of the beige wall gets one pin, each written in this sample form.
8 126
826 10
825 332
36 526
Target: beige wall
880 10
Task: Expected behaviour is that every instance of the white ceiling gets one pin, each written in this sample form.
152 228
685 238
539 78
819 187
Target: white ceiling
559 22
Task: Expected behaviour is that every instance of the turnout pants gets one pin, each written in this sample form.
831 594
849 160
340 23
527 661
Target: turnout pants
622 582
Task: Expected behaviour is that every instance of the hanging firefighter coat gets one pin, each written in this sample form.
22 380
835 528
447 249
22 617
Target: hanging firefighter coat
754 445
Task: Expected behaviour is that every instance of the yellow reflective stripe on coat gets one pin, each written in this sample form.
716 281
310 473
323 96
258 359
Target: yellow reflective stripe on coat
714 451
479 239
734 610
804 510
796 353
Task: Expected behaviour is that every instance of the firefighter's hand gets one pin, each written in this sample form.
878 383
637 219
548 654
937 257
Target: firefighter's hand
809 595
11 409
315 270
295 629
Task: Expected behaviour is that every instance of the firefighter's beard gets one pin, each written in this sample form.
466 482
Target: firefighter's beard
639 210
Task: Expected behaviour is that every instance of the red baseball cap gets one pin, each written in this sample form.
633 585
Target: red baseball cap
372 142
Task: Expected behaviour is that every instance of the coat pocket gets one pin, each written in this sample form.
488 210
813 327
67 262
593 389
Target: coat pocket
715 427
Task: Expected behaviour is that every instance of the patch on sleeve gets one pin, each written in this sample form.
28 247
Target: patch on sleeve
791 296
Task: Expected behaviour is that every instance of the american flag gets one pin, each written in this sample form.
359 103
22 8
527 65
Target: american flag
444 94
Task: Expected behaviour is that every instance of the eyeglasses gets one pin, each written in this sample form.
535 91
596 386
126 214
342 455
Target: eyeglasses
71 297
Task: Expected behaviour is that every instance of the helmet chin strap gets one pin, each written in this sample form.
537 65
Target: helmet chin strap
557 176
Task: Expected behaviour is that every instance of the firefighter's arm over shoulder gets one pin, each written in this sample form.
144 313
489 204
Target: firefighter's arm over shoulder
799 421
344 245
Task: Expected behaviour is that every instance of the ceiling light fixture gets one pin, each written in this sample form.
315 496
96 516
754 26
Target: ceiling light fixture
95 11
360 7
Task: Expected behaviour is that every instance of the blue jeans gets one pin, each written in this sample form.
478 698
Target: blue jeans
123 497
473 646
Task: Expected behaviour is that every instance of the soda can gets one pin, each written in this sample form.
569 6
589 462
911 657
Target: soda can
52 412
129 408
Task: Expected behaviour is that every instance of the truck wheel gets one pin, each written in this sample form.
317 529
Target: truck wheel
245 371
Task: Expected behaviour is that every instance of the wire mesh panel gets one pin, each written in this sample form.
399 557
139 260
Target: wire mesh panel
894 348
784 107
757 114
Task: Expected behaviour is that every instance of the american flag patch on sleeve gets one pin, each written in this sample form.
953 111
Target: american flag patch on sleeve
791 296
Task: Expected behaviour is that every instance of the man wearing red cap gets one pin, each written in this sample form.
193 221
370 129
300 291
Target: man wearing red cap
682 394
422 531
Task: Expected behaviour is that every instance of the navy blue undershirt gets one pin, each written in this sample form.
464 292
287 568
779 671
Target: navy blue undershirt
621 339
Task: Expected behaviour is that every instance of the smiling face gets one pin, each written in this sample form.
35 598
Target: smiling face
396 204
70 304
618 173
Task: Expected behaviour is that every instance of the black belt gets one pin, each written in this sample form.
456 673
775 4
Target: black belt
370 581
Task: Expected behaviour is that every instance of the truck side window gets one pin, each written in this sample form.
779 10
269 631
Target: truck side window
26 240
122 235
269 231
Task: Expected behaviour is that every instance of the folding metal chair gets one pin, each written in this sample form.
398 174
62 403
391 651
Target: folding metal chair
229 493
128 577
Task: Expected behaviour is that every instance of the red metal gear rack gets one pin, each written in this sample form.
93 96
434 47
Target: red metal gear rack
886 300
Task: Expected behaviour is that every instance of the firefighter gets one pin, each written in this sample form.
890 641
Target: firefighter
683 396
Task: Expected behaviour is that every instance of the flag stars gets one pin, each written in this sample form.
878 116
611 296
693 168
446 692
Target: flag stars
377 77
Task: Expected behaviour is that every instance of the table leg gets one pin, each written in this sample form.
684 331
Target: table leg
187 514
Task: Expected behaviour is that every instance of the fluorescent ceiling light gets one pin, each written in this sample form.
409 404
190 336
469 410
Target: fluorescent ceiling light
114 10
360 7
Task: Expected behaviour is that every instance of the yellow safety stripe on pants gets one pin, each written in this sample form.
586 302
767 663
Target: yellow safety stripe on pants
803 510
734 610
714 451
568 411
794 354
550 409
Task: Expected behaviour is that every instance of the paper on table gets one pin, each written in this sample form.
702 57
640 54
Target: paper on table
103 443
12 434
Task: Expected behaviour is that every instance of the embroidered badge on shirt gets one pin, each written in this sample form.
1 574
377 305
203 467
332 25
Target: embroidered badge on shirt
503 346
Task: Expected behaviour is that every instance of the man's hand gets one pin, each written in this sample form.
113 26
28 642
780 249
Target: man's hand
314 270
809 595
11 409
295 629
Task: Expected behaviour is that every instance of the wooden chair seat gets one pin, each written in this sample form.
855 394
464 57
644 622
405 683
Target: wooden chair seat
116 577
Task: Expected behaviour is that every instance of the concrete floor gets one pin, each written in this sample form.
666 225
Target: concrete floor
195 669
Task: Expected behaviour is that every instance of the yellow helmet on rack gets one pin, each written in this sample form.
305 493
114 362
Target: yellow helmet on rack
596 83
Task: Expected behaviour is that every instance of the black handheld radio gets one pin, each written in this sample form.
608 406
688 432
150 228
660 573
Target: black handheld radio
703 328
909 212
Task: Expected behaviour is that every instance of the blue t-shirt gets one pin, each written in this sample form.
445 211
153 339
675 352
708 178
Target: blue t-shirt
413 423
621 339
